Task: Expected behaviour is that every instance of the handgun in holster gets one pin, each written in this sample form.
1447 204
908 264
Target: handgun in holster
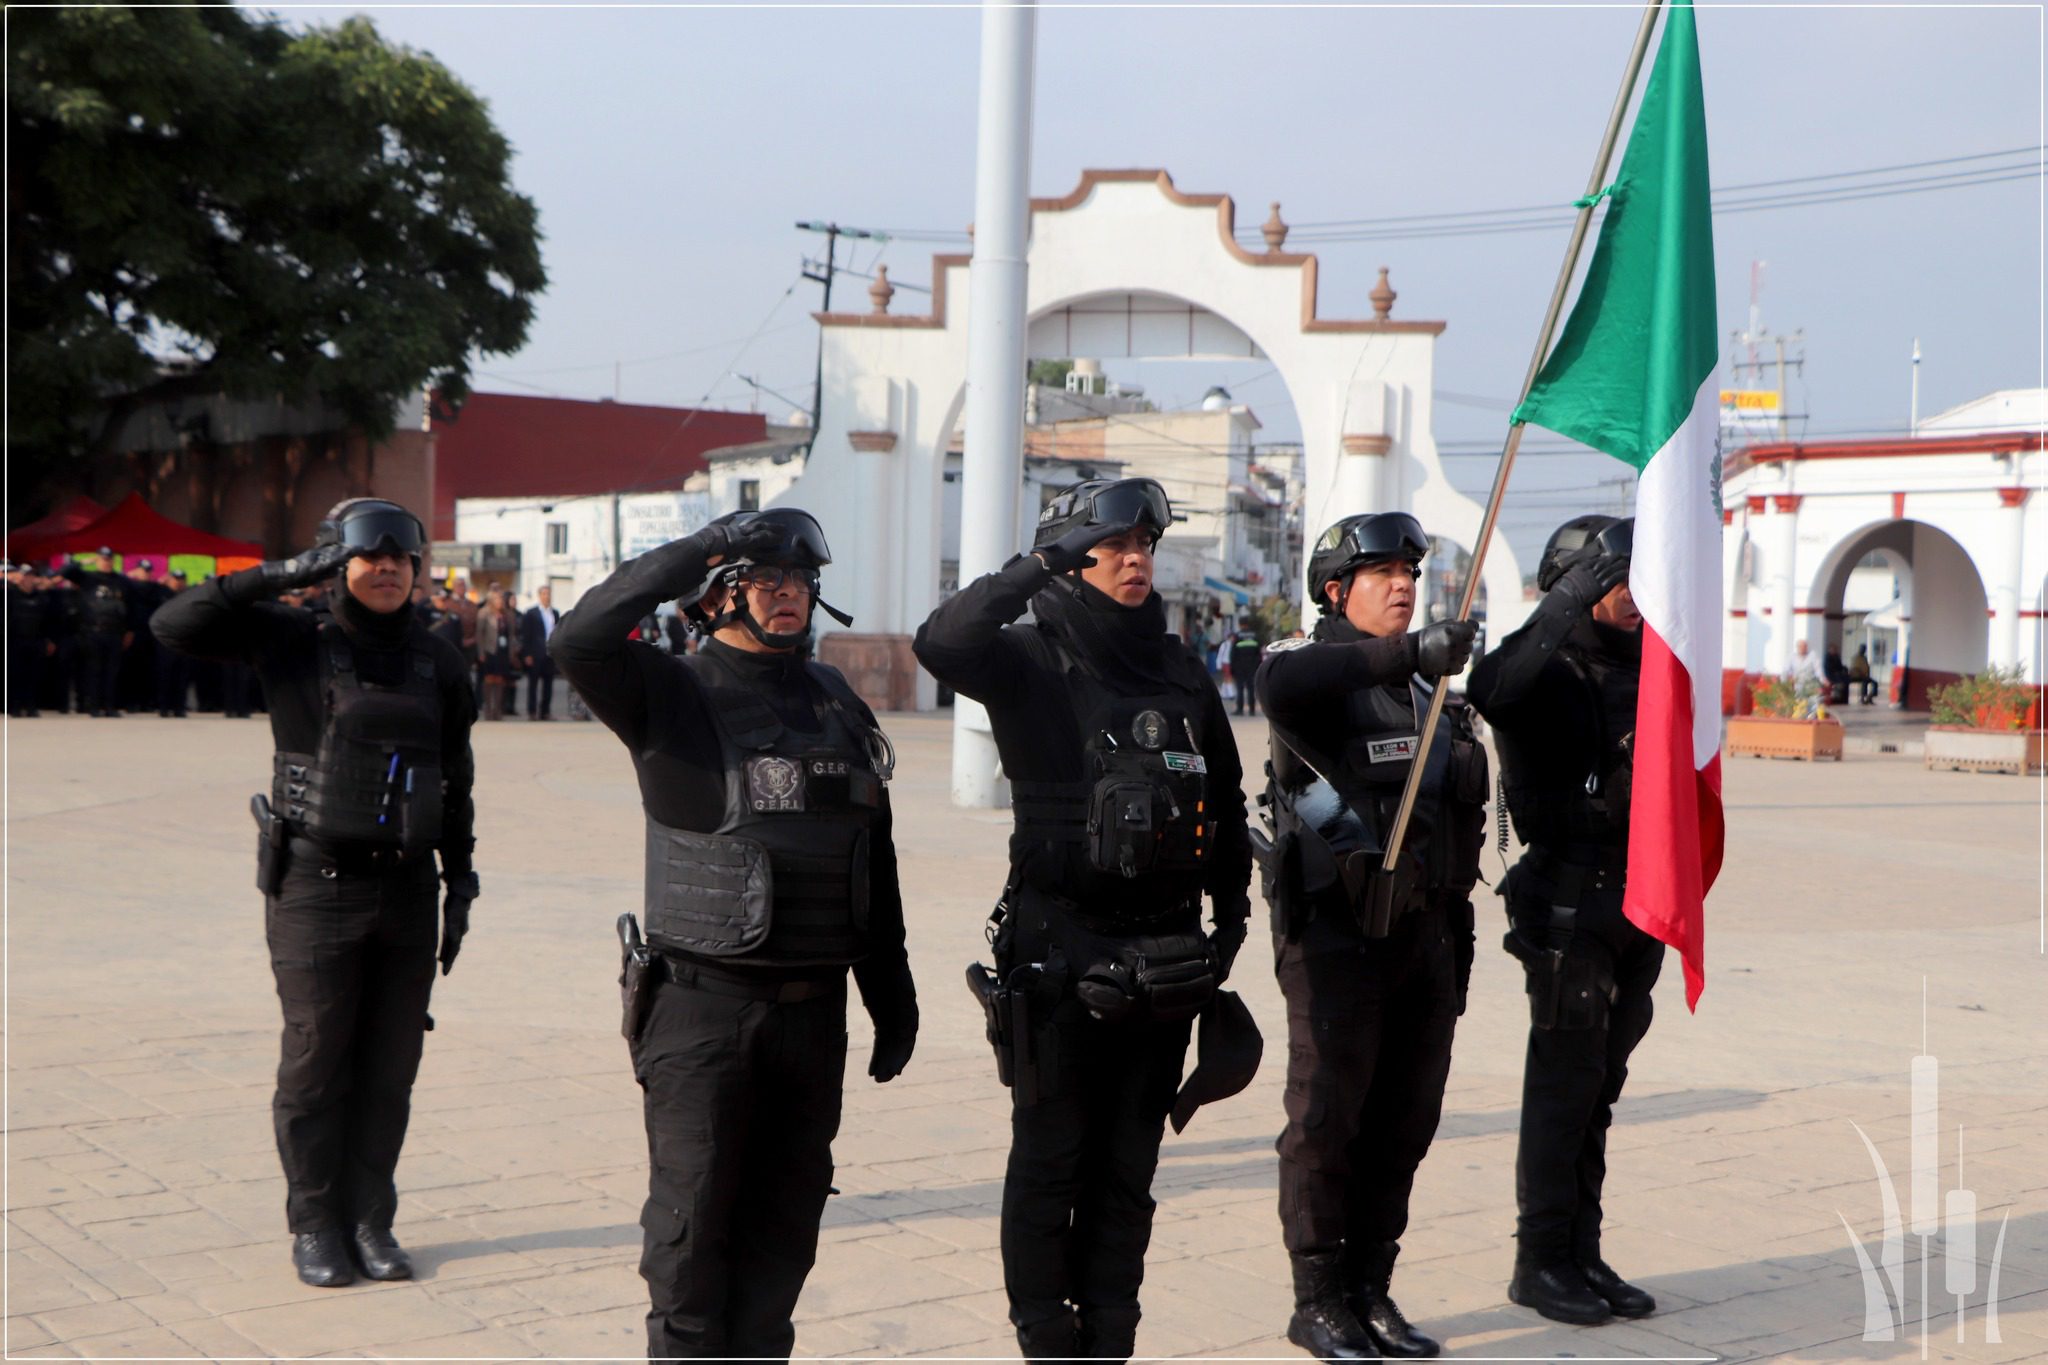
994 999
272 845
639 974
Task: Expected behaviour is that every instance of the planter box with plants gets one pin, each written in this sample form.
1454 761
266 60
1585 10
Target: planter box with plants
1989 722
1789 722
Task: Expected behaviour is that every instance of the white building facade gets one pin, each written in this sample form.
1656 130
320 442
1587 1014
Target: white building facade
1125 266
1954 515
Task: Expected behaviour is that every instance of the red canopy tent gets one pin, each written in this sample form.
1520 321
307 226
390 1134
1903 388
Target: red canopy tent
131 528
24 542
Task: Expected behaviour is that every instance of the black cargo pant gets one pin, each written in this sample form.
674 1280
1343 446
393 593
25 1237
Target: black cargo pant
25 661
353 955
99 673
1369 1026
742 1103
1574 1072
1077 1195
173 682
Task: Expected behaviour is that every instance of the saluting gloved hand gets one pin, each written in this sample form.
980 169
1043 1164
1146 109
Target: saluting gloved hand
1593 575
729 538
1070 551
1443 648
455 917
895 1039
274 576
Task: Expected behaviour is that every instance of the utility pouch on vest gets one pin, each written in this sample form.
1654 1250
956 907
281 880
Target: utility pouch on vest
1122 826
638 975
1165 977
994 999
707 893
271 840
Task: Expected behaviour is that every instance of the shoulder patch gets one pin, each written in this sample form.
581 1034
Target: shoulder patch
1291 642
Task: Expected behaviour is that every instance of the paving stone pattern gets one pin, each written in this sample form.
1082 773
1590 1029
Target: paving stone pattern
145 1210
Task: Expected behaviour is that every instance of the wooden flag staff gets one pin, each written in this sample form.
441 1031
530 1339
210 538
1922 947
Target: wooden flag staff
1594 187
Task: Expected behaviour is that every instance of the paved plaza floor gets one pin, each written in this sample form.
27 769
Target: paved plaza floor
145 1212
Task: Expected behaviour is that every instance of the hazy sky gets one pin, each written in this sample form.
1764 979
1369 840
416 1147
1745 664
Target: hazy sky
670 152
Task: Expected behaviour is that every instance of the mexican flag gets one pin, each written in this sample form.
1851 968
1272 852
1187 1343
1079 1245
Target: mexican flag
1634 376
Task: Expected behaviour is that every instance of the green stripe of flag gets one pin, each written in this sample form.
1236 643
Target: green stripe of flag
1641 338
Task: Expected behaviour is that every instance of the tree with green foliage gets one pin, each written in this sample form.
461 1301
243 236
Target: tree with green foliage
263 211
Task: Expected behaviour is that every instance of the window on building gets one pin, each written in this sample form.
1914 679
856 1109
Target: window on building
750 495
558 537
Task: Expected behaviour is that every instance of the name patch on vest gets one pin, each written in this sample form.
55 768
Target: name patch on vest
1400 750
1186 763
775 783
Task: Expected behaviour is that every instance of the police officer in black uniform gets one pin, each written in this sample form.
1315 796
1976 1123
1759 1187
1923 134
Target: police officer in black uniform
1561 696
1128 806
29 646
104 631
371 719
771 869
1373 966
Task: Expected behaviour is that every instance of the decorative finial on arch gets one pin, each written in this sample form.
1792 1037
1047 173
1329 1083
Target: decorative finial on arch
1382 297
1274 228
881 291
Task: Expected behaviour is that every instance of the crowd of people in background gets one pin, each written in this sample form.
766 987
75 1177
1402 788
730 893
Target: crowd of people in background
78 639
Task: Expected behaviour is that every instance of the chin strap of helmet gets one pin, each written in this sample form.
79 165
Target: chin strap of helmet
736 611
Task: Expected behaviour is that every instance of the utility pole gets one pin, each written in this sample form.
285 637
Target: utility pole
833 232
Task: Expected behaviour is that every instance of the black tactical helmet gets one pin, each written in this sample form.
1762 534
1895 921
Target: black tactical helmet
372 525
803 547
1369 538
1615 536
803 540
1104 502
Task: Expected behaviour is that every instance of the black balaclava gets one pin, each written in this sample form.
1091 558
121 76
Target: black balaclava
377 629
1128 644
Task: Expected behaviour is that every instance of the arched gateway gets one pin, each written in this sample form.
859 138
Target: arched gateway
1124 266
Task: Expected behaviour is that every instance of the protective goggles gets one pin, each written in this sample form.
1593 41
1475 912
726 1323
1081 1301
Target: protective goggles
389 530
771 577
1389 535
1617 540
1129 502
802 538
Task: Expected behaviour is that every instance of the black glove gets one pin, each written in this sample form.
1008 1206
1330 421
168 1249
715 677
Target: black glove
455 917
274 576
728 540
1443 648
895 1039
1226 938
1592 575
1070 551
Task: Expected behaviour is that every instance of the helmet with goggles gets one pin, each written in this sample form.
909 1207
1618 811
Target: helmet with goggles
796 558
1137 503
1592 534
370 526
1353 543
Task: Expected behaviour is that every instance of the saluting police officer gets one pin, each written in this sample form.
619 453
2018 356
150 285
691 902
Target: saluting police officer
104 631
1128 806
372 775
771 869
1560 694
1373 965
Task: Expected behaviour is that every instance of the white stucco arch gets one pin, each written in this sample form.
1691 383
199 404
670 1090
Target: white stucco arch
893 388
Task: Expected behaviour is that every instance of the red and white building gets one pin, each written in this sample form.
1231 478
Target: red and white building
1955 517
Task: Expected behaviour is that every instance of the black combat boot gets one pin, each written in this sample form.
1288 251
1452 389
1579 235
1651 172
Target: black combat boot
1625 1299
1557 1289
1053 1338
380 1255
1323 1323
1107 1333
1371 1271
321 1258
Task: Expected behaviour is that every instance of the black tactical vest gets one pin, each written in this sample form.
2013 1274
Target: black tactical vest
1129 841
783 880
106 609
1333 812
1578 809
376 779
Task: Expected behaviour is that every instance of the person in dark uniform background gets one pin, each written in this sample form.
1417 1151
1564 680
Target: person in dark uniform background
29 646
136 688
63 616
1244 665
1128 806
1560 694
173 671
104 631
771 869
1373 966
371 716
